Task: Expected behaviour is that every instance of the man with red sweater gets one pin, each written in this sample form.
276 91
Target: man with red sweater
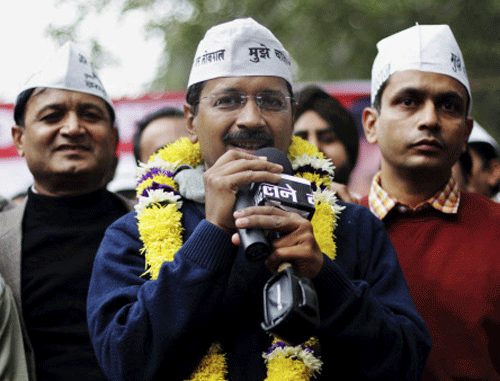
447 242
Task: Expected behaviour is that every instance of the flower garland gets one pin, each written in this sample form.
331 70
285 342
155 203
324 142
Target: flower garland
159 221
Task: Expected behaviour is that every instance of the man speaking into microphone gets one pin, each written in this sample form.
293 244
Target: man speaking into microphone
173 296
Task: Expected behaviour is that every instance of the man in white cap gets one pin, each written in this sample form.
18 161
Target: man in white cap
446 241
197 311
482 175
65 130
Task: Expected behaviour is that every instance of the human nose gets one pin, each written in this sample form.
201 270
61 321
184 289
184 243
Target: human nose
71 125
312 138
249 114
429 116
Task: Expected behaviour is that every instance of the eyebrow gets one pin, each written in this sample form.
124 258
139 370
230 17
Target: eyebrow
89 105
422 93
409 91
83 106
235 90
52 106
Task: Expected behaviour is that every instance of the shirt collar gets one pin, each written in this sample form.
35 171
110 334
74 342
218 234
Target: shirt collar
381 203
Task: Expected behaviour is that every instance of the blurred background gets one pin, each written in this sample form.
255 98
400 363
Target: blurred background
144 48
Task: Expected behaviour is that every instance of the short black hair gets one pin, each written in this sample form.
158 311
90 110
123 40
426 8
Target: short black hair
20 106
23 98
193 95
377 101
165 112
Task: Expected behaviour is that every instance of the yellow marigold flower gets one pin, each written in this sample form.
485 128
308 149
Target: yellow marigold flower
315 178
287 369
182 151
161 230
212 367
300 146
323 223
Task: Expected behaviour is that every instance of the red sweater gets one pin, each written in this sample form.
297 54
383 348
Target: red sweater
452 266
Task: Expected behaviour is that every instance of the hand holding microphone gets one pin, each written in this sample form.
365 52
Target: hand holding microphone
291 308
291 194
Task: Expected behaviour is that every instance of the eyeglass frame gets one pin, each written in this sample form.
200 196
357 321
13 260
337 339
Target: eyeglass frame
242 104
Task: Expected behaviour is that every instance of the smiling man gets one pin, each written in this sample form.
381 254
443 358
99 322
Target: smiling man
197 311
65 131
446 240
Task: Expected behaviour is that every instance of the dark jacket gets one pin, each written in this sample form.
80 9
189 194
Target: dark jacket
159 329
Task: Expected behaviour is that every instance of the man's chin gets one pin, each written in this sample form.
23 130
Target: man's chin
77 170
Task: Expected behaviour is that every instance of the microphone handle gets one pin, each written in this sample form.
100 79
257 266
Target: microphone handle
253 241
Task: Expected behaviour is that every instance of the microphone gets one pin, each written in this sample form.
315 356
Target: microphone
291 306
292 194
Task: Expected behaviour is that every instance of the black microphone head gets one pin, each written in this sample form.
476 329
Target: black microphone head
276 156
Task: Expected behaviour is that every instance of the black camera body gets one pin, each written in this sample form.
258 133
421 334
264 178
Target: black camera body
291 308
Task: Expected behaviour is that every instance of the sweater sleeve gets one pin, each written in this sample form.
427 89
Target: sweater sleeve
369 323
146 329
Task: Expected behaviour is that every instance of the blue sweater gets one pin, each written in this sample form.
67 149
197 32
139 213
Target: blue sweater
159 329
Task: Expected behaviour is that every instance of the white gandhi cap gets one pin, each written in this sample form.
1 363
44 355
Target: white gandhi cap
429 48
479 134
68 69
240 48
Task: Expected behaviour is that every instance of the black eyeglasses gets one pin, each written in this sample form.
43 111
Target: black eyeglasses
266 101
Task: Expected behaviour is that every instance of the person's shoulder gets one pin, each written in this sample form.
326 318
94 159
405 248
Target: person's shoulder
357 214
126 223
476 204
12 215
6 204
127 203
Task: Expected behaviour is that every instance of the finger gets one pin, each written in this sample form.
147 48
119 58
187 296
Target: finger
260 209
262 217
238 173
241 158
343 193
307 262
235 239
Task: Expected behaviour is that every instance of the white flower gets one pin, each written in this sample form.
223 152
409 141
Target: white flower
307 357
315 162
144 168
156 196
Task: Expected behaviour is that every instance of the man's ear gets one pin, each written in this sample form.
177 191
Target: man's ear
190 122
18 137
493 172
469 125
369 118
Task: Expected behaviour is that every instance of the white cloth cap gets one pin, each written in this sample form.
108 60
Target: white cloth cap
240 48
69 69
479 134
430 48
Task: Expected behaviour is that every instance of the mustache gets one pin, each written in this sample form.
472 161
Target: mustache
261 136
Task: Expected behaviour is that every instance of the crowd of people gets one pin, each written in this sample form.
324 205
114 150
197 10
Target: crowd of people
156 283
